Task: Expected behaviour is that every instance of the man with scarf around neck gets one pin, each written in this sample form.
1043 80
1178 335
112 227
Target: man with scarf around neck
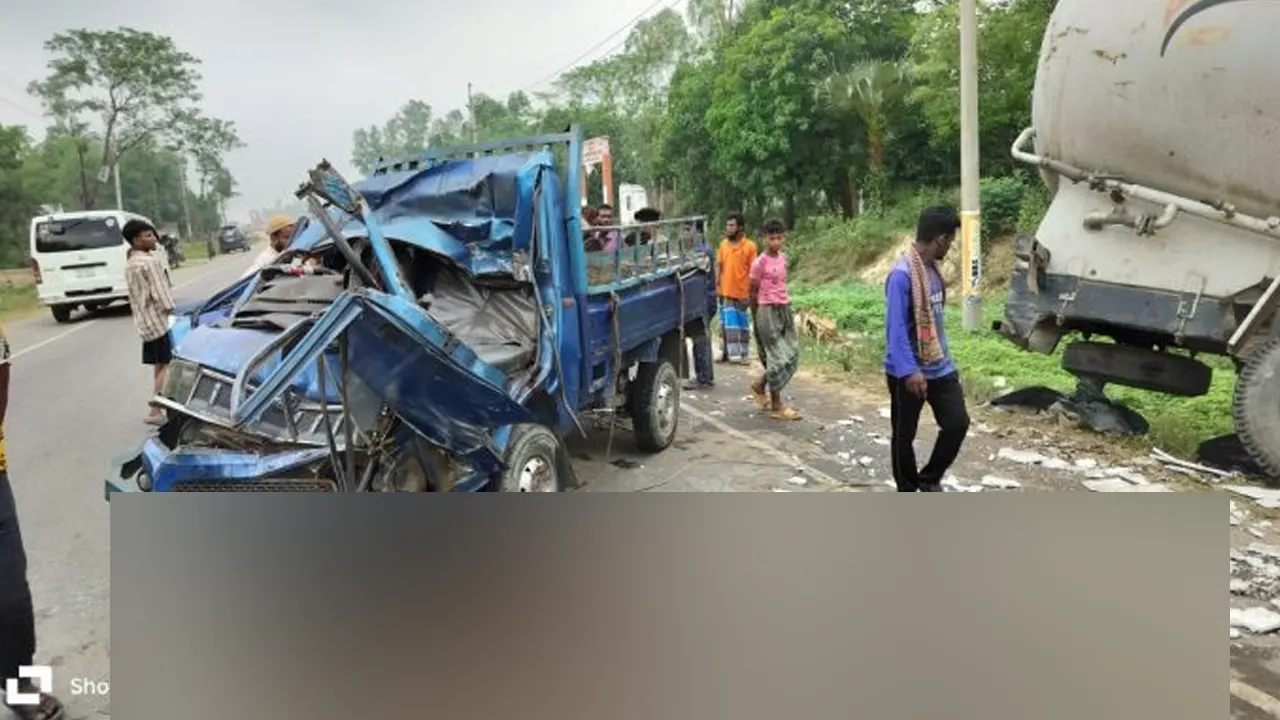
917 363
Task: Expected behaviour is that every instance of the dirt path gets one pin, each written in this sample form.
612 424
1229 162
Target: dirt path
844 433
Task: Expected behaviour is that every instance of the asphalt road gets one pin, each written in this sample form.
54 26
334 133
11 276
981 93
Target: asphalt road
78 398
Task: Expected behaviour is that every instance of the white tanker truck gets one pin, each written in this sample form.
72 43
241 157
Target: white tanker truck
1156 126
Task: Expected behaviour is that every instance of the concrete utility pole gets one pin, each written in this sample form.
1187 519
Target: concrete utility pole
970 212
471 110
116 176
182 189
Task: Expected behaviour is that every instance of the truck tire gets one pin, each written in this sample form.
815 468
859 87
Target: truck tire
62 313
1255 408
1138 368
531 462
655 407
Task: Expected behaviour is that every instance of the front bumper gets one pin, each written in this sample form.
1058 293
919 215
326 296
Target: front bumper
152 467
113 295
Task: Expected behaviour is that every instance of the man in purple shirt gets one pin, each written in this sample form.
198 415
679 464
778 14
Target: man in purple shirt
917 361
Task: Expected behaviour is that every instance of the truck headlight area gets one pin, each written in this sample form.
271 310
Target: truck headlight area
180 381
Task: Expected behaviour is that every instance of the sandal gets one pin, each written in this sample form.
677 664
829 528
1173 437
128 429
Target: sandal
49 707
786 413
759 397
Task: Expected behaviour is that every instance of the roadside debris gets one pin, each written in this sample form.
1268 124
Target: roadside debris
1187 467
1258 620
1265 497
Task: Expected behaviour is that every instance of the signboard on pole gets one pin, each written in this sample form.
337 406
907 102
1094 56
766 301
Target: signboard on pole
594 150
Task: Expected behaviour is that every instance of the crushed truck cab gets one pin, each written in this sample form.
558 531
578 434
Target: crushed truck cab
438 326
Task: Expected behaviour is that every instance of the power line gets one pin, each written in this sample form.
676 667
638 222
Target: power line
21 108
630 24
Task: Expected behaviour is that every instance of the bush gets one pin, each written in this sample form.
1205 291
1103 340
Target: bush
1035 202
1001 205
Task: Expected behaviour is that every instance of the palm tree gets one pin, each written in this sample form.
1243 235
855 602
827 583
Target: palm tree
868 91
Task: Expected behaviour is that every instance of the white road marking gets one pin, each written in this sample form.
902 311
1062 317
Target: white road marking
86 323
1254 696
764 447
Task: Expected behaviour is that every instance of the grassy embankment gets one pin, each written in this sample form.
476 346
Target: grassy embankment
837 271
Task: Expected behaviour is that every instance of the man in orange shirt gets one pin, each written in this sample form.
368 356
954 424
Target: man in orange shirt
733 263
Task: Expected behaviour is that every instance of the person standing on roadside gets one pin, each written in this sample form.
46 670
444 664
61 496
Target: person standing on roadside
733 262
694 239
279 232
17 614
151 303
918 365
775 326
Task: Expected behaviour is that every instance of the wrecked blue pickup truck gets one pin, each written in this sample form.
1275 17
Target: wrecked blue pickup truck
437 327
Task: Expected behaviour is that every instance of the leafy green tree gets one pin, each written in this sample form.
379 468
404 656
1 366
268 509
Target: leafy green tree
125 86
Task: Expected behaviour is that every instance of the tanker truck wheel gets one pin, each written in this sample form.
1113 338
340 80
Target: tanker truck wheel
1256 408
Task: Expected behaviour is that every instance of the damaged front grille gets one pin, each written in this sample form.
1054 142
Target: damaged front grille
258 486
305 424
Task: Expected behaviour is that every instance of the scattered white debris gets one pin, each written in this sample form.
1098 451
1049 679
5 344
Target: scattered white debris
780 490
857 418
1265 497
1165 458
984 428
881 441
1024 457
1115 484
884 412
1053 463
845 457
1235 634
866 460
1256 532
846 423
999 382
1000 483
1257 619
798 480
1136 478
1255 571
1086 464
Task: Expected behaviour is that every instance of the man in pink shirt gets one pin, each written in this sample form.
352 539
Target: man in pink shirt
775 326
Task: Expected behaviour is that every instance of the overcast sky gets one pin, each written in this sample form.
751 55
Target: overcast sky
265 63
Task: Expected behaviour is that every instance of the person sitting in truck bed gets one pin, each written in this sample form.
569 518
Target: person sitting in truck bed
647 233
608 239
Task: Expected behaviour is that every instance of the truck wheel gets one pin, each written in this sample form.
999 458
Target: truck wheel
62 313
1138 368
1256 408
530 461
655 408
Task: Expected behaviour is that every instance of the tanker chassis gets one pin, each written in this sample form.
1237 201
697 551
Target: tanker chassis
1156 127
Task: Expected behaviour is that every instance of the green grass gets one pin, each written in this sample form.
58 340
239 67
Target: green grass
1178 425
17 299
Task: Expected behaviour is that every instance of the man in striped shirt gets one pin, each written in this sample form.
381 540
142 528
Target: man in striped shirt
149 297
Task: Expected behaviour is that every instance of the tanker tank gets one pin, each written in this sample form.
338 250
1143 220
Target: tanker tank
1156 127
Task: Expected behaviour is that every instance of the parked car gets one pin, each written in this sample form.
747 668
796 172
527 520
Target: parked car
232 238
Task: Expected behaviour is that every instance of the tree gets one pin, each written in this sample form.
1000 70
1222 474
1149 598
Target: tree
127 85
868 91
1009 36
407 131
